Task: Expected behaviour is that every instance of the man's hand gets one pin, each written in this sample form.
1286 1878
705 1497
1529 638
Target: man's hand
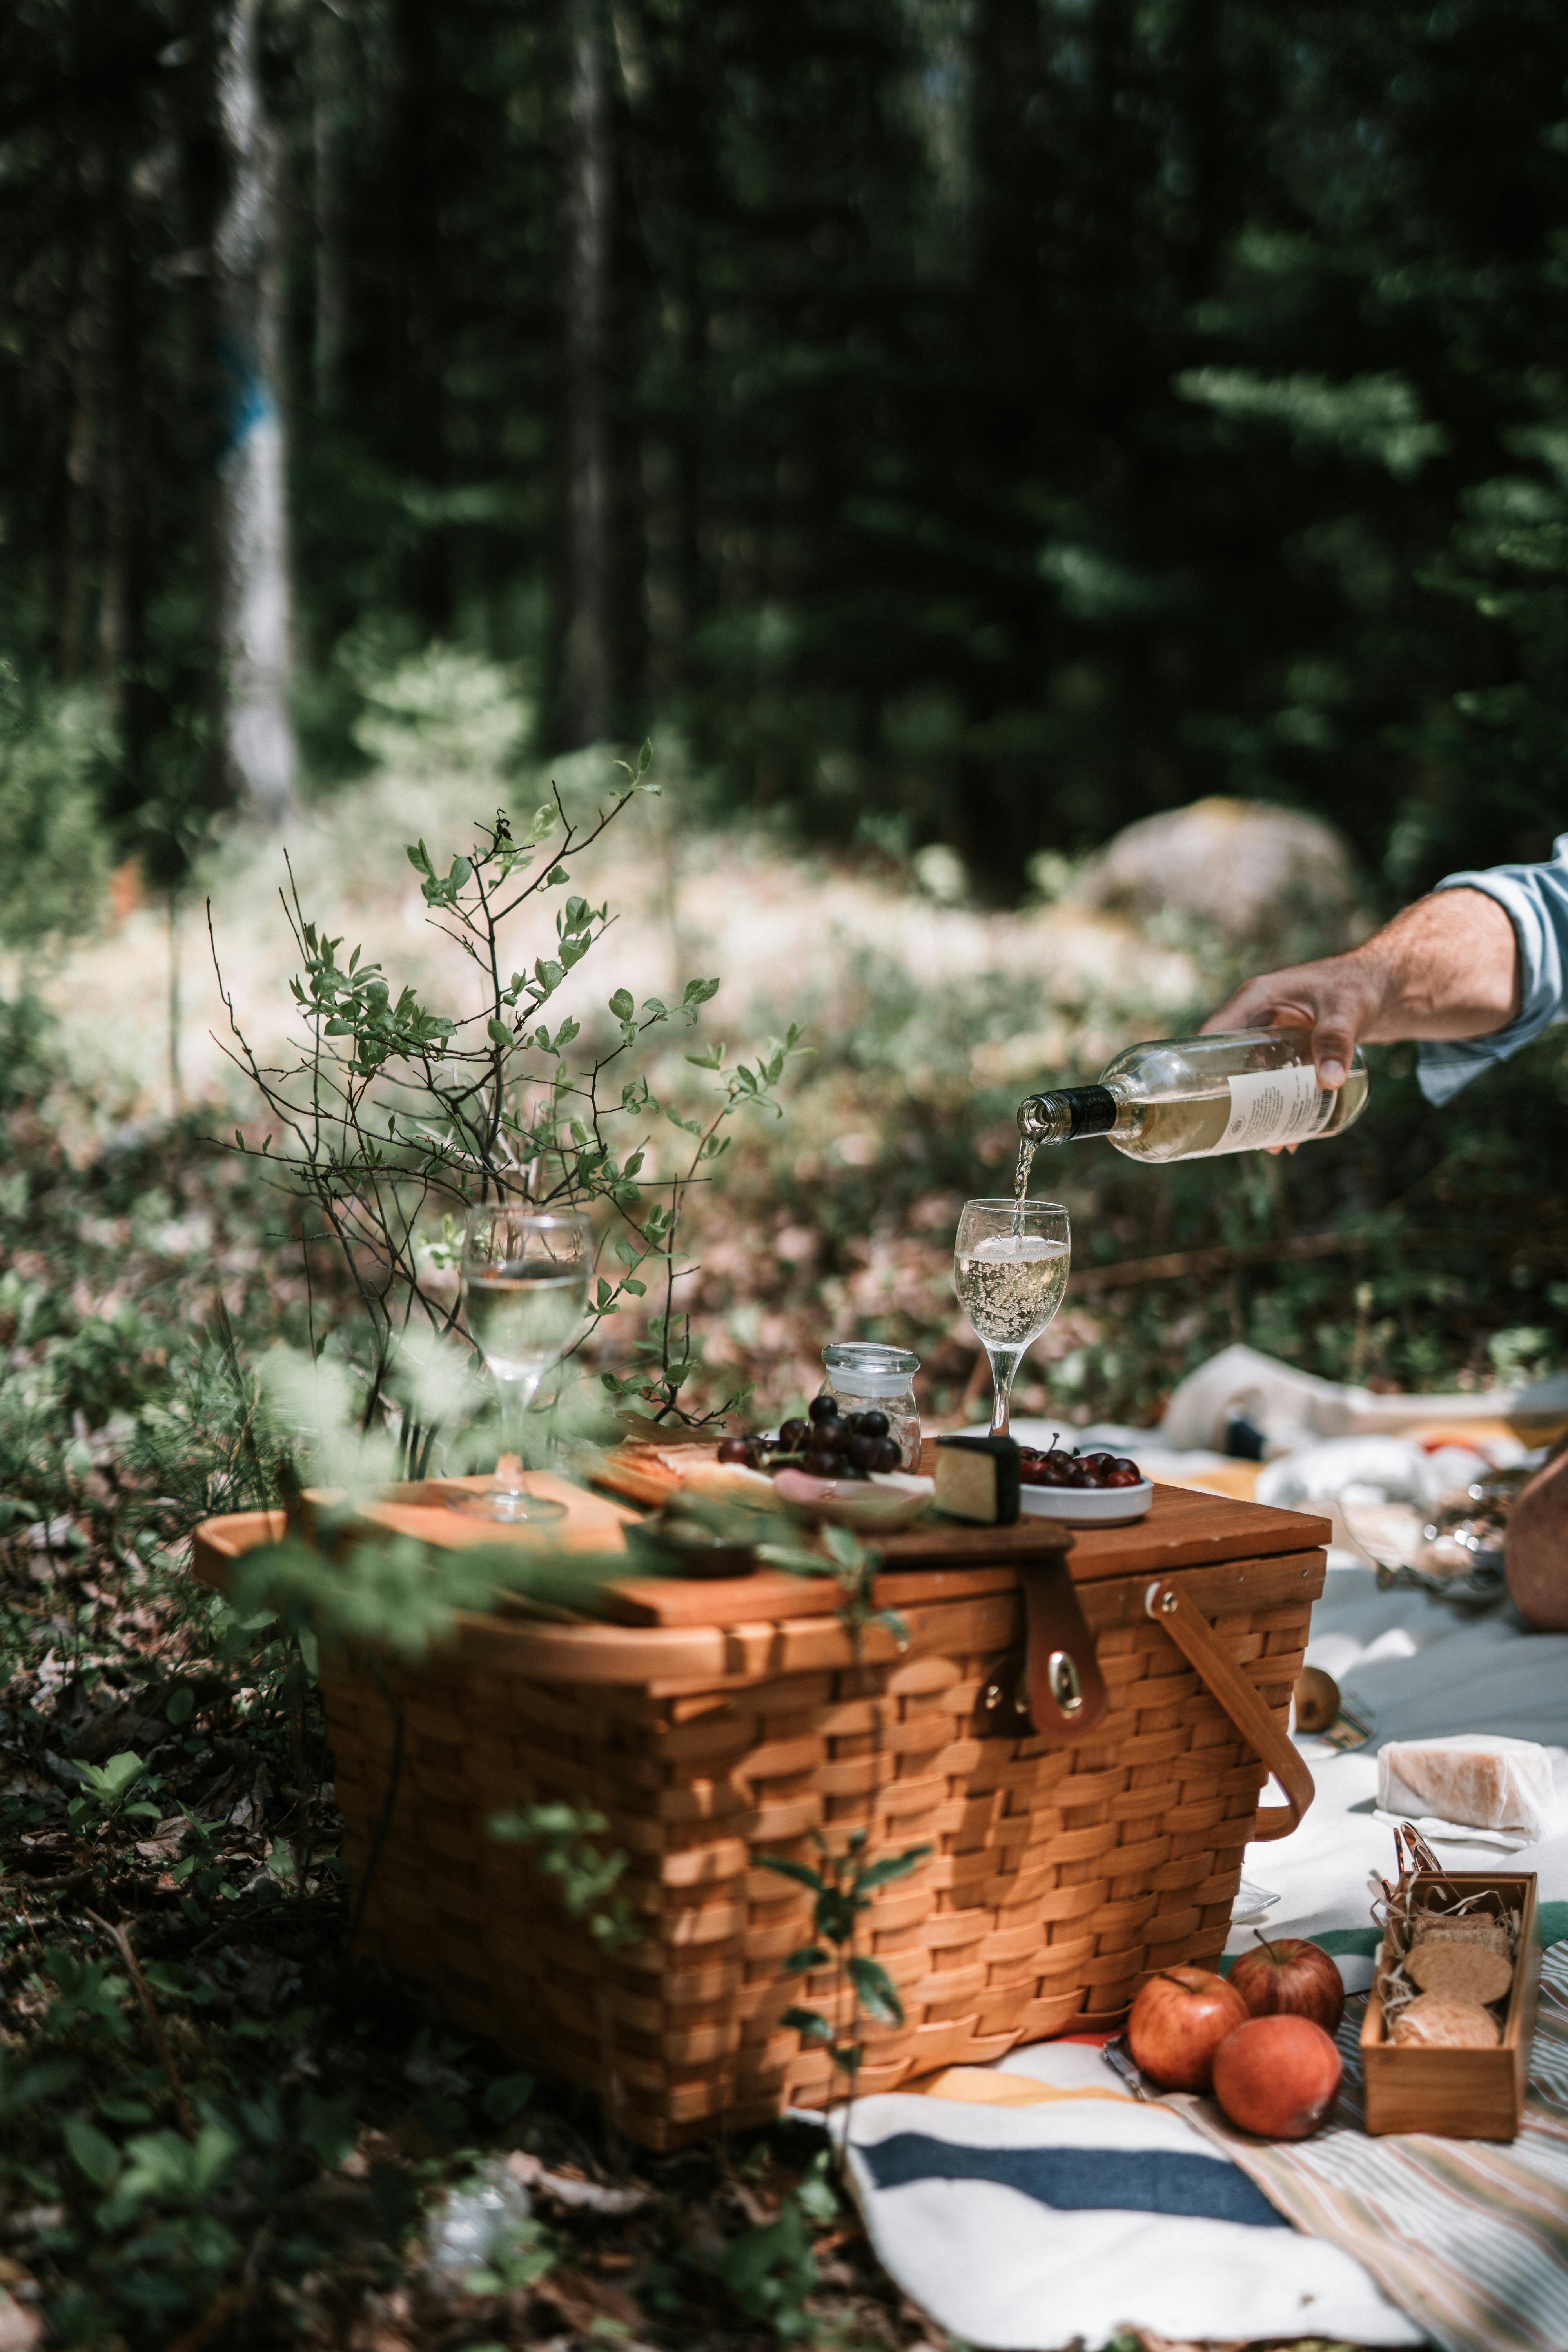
1447 967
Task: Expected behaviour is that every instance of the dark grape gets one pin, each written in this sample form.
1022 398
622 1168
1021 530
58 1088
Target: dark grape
1101 1462
874 1424
823 1464
737 1449
861 1450
887 1456
1051 1472
1079 1474
1122 1476
1121 1463
792 1435
824 1408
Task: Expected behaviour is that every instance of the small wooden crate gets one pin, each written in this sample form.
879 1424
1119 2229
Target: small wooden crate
1459 2094
713 1722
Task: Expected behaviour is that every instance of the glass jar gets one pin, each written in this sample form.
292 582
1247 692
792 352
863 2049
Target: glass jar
866 1377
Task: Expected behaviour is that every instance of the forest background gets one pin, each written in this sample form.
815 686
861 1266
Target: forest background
952 430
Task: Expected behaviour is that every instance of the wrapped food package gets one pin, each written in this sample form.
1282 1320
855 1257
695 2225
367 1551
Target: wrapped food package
1478 1778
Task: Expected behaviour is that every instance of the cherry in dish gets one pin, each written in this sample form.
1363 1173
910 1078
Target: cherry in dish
1055 1466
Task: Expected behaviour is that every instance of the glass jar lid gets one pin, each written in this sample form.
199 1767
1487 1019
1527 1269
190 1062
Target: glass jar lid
866 1368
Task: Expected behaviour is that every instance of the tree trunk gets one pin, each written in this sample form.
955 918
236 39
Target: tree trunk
585 625
329 76
254 607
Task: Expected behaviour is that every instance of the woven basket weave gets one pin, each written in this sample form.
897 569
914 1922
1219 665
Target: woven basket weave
1058 1875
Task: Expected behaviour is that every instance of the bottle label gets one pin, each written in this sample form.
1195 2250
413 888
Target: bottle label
1270 1106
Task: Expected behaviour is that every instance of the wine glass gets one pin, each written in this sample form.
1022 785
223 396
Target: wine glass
1010 1270
525 1277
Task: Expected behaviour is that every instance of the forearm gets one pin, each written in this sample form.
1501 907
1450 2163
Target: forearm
1446 966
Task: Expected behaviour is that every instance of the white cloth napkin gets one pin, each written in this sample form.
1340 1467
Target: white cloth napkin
1438 1833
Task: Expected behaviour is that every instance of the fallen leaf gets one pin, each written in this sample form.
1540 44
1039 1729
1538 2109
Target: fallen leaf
576 2194
582 2300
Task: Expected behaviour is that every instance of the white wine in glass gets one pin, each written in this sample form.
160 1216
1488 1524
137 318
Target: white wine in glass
1010 1267
525 1292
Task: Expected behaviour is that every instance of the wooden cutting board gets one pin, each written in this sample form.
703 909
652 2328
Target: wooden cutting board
1182 1530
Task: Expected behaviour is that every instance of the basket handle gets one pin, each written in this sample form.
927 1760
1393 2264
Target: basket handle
1195 1638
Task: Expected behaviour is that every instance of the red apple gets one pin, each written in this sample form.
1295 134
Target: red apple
1277 2076
1290 1978
1178 2021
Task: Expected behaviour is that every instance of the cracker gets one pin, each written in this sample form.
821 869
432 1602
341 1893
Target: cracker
1461 1927
1466 1970
1438 2020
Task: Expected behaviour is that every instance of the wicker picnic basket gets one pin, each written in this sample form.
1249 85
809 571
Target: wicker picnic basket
717 1722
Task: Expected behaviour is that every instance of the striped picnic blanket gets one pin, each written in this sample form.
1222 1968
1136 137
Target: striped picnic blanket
1469 2237
1046 2206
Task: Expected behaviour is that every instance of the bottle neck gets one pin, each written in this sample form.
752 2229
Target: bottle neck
1066 1113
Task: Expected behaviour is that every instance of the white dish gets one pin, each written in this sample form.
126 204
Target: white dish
1087 1507
887 1500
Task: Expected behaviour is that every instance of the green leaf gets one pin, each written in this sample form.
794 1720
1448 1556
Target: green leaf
26 2089
801 1872
844 1547
809 2023
95 2153
896 1866
498 1033
878 1993
808 1957
506 2097
817 2196
182 1704
113 1781
699 991
623 1004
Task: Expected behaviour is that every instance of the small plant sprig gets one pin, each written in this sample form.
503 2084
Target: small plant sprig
856 1565
842 1887
107 1786
397 1115
563 1837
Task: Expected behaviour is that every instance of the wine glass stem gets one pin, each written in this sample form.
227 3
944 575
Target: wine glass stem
516 1396
1005 1362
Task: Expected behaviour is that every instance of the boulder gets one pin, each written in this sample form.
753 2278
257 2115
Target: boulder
1252 871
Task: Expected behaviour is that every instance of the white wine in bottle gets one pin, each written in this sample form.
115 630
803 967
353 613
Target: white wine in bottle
1194 1097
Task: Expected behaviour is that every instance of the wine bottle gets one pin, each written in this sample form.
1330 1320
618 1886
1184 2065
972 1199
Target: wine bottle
1194 1097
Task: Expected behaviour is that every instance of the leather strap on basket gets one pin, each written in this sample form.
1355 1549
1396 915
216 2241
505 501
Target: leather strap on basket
1200 1645
1054 1686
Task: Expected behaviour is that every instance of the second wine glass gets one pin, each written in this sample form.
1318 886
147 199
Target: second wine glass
1010 1266
525 1291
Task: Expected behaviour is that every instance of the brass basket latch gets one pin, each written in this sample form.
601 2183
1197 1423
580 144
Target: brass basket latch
1050 1686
